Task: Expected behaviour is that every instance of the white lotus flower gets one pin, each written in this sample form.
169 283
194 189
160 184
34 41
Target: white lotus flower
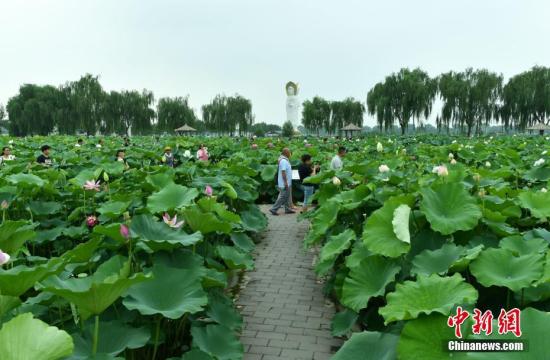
4 258
390 141
336 181
543 190
544 152
10 142
435 169
442 170
487 164
548 138
383 168
454 142
453 161
187 153
451 156
539 162
379 147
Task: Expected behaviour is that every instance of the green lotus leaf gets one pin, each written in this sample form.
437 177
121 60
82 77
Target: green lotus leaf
214 278
368 280
44 207
368 345
268 172
8 303
235 259
113 208
221 310
436 261
17 280
82 252
378 233
114 337
205 222
497 222
400 223
534 333
520 246
467 257
448 208
172 293
546 271
424 338
342 322
26 179
426 295
24 337
158 235
93 294
253 219
171 197
229 190
160 180
334 246
209 204
537 174
537 202
500 267
217 341
13 235
242 241
196 354
324 219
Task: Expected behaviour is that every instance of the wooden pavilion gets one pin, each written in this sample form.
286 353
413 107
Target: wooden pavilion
185 130
350 130
540 127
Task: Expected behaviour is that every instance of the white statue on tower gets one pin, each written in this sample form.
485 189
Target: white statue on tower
292 104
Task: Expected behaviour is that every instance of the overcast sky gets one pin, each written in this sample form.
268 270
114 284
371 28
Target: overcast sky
201 48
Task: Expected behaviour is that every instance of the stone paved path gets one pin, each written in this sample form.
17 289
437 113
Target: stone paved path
285 313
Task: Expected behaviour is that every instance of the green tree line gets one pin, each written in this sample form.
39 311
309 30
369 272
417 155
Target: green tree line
471 99
319 114
83 106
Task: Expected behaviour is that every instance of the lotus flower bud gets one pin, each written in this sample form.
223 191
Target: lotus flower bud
383 168
539 162
4 258
543 190
208 190
476 177
91 221
442 170
124 231
336 181
254 146
453 162
105 177
379 147
481 193
487 164
451 156
4 204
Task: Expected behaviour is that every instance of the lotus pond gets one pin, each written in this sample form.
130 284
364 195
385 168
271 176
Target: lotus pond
142 262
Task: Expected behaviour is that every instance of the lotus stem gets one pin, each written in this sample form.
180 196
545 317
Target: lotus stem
157 334
96 335
507 299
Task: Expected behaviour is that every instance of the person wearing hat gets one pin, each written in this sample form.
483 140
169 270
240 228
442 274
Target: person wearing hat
168 157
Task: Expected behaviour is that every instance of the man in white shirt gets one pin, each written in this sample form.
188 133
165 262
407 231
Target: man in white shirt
337 163
284 183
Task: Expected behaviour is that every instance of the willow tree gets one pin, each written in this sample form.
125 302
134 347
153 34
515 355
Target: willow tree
129 109
402 97
348 111
32 110
173 113
470 98
87 101
225 114
526 98
316 114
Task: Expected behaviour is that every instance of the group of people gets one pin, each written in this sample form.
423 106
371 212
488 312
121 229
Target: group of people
306 169
44 158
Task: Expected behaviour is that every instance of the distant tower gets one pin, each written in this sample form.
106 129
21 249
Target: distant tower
292 104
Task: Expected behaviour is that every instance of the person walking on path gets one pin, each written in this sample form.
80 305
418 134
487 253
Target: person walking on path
306 170
284 183
337 163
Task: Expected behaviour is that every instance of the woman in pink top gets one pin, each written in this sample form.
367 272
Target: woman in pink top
202 154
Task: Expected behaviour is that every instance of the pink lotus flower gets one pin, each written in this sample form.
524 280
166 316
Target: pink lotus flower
442 171
124 231
254 146
4 258
91 185
91 221
4 205
270 145
208 190
172 222
308 145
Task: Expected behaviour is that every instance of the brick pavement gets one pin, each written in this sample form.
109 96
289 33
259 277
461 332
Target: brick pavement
285 313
